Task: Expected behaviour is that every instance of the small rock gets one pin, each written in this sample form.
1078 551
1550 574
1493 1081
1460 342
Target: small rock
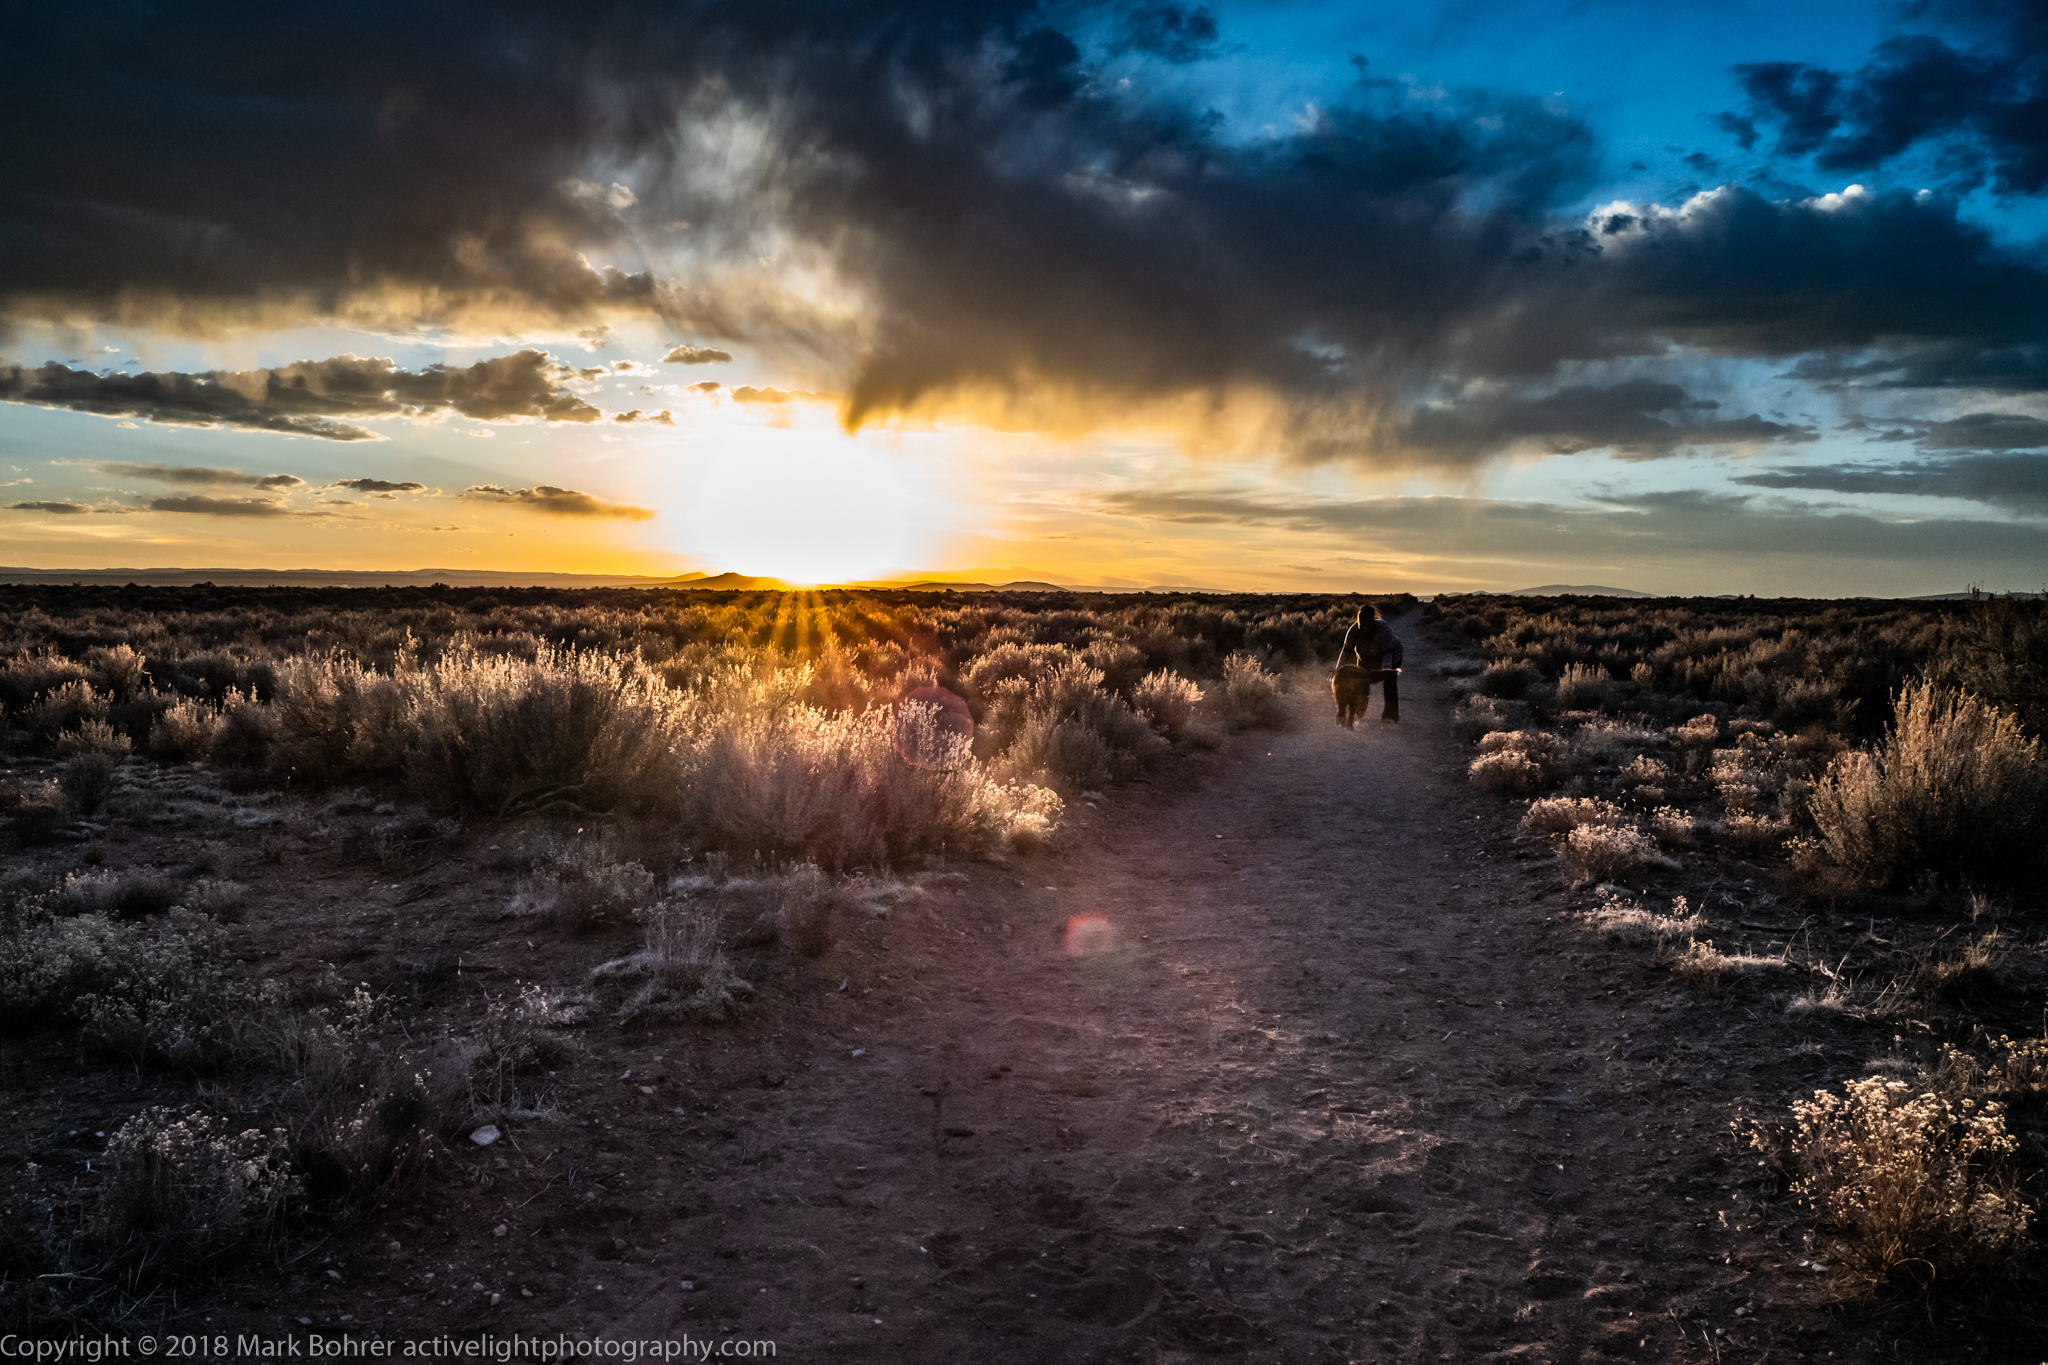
689 1286
477 1288
500 1230
305 1322
494 1299
334 1274
525 1293
486 1135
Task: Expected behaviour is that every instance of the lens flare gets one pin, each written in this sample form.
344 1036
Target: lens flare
1089 935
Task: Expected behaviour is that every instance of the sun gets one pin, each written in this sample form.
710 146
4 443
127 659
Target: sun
807 507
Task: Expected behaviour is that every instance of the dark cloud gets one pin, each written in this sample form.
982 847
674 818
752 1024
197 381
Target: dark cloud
1981 106
378 486
1954 365
199 476
222 507
2016 481
636 415
59 508
697 355
1178 33
557 502
306 398
1637 419
1020 231
1985 431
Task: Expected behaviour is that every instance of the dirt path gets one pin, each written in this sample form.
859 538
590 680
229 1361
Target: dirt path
1334 1079
1337 1088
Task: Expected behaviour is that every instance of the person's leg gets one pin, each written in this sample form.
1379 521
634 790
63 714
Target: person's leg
1390 709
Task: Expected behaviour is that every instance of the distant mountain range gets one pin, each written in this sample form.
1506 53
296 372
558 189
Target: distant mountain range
1579 590
466 578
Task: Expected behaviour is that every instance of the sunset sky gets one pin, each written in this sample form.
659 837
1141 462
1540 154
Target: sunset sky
1689 297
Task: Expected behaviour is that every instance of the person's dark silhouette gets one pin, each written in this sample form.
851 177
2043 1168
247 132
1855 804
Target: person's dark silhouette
1371 644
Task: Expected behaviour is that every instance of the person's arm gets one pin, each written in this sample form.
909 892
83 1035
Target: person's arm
1394 647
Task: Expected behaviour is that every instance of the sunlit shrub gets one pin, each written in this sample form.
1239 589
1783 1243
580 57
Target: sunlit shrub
1167 700
1557 816
1585 687
117 669
1251 695
183 733
1955 789
1908 1184
93 737
1601 853
1507 773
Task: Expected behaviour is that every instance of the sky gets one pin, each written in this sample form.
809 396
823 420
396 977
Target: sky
1685 298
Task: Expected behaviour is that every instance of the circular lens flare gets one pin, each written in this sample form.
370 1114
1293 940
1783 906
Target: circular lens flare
1089 936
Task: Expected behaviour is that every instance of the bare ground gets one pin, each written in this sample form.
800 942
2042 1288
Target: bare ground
1335 1078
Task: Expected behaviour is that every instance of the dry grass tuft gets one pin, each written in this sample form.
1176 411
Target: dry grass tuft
1626 922
1701 965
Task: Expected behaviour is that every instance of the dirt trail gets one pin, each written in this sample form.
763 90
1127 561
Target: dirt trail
1338 1089
1336 1079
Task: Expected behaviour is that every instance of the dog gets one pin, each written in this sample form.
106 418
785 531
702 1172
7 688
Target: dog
1352 687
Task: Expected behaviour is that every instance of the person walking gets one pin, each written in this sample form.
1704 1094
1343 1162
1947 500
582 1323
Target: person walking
1375 648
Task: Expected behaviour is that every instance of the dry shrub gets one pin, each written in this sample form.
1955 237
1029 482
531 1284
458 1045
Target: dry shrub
682 970
584 887
192 1181
1755 833
1913 1185
1625 921
245 733
1599 853
2022 1074
1508 773
1673 828
87 781
1604 742
1955 789
1973 971
515 1039
94 737
1557 816
66 708
1698 733
1476 716
1517 762
1644 771
1251 695
1167 700
117 669
1509 679
183 733
832 787
808 915
1585 687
